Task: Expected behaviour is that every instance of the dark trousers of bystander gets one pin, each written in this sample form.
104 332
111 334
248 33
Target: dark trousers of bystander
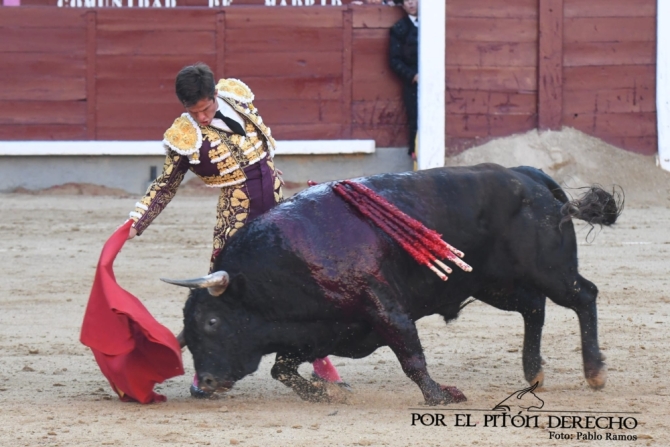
410 96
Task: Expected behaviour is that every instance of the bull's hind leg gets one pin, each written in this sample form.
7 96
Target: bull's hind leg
531 305
595 370
400 333
580 295
533 320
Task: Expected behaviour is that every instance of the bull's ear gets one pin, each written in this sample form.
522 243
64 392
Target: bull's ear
238 286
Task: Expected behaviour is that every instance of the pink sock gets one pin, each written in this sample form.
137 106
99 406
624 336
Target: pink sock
195 380
325 369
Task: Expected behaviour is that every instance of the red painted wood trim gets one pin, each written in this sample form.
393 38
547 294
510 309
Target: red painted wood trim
220 44
91 91
347 70
550 65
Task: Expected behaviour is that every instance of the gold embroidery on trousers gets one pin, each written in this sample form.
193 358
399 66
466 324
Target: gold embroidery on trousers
232 212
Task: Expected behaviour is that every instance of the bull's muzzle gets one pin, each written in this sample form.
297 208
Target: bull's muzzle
207 382
215 283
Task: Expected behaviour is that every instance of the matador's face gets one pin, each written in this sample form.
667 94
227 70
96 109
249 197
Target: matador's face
203 111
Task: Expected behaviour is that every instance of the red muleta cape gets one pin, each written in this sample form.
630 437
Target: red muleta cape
133 350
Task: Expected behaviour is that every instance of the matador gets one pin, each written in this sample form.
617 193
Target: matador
234 152
223 140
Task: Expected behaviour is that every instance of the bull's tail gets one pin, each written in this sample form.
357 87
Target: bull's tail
596 206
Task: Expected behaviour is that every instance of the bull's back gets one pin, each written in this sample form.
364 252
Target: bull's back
464 204
495 215
336 250
467 205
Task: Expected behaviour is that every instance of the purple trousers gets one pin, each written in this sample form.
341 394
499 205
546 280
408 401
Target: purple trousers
240 204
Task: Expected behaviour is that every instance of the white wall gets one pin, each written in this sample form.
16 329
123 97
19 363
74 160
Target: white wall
663 83
432 47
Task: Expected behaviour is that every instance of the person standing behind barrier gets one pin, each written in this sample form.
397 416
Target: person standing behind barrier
404 59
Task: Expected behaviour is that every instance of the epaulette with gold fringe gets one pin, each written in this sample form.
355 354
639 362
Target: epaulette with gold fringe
234 89
184 137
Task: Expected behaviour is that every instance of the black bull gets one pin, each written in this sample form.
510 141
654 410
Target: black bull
312 278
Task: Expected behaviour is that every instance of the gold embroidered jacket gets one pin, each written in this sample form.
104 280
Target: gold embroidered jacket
216 156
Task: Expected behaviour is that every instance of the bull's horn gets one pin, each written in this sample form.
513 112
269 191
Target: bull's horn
215 283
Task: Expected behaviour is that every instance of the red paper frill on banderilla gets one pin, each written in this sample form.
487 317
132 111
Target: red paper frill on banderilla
423 244
133 350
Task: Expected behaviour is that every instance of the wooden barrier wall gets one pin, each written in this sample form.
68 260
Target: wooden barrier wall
491 68
609 70
322 72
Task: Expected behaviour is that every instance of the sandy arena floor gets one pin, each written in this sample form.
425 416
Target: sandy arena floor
52 392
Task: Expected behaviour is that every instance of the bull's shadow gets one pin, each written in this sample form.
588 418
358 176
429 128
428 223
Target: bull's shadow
524 399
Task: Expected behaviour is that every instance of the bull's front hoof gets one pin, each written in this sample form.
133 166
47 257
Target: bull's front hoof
336 393
597 380
329 392
448 395
324 392
539 379
455 394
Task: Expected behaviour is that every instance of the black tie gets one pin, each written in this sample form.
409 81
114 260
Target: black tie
234 125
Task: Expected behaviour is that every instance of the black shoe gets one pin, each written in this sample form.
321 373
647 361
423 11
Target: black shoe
198 393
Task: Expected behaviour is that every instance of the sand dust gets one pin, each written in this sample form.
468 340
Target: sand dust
575 159
52 392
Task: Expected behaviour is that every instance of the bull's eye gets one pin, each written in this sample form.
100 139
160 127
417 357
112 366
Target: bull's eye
212 325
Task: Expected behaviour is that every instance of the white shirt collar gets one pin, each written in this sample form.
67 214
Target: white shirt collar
227 111
414 19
